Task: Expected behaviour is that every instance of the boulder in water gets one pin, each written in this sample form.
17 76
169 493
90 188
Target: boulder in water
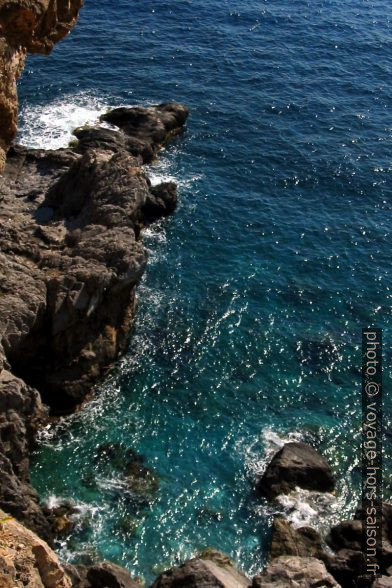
296 464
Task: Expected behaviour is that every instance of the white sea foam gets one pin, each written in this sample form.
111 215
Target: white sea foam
272 441
50 125
82 511
315 509
54 501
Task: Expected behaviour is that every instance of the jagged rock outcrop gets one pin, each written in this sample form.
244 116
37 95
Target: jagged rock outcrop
211 569
26 26
26 560
344 559
71 258
21 413
296 464
301 542
11 66
295 572
348 562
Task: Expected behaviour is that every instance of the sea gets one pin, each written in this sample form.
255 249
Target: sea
248 327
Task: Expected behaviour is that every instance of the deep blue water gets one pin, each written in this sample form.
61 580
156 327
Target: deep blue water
250 315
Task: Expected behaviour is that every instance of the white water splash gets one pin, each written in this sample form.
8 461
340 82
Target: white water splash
50 125
319 510
272 441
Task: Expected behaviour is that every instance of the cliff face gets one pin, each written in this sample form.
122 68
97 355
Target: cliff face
71 258
28 562
26 26
70 250
25 560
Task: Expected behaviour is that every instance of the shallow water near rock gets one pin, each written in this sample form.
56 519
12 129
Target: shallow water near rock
248 329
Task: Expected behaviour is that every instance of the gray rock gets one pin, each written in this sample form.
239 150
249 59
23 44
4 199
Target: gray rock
295 572
211 569
296 464
382 582
302 542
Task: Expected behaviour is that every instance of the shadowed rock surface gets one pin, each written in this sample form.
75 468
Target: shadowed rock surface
21 413
345 561
296 464
345 539
71 258
286 540
108 575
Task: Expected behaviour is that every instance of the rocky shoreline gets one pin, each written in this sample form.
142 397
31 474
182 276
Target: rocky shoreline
71 257
297 558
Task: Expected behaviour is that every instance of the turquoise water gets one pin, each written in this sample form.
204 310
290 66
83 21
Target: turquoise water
250 313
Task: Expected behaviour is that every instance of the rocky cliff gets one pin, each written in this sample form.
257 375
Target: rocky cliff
26 560
26 26
71 258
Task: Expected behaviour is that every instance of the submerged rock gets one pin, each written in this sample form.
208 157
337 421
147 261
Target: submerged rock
211 569
139 479
115 455
317 354
209 515
296 464
129 526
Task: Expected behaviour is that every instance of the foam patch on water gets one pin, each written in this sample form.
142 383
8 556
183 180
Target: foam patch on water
162 170
319 510
82 511
50 125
